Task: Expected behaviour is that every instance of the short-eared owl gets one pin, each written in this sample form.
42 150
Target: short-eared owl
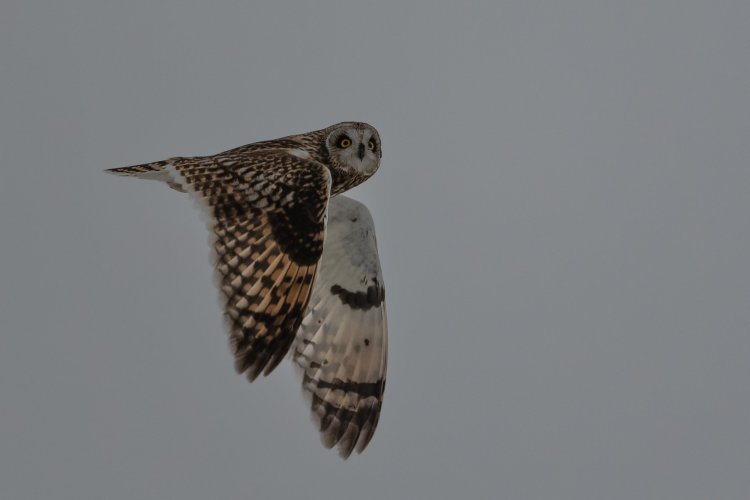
297 266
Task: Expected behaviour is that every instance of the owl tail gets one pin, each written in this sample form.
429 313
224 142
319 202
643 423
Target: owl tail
150 171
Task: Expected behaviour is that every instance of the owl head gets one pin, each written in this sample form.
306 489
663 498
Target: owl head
353 151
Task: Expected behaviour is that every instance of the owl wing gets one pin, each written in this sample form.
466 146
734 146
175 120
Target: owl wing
341 347
266 214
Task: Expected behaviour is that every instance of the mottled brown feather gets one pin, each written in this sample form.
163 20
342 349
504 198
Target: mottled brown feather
266 212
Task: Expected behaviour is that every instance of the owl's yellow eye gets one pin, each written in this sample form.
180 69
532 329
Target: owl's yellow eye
371 144
344 142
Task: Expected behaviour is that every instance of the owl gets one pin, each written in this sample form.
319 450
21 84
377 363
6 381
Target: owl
297 267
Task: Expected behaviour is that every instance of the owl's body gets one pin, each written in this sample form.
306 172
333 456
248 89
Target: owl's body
281 276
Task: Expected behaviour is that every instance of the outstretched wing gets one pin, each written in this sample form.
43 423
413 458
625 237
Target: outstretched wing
341 347
266 213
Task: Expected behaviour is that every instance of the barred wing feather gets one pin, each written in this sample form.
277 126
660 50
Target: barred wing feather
266 214
341 346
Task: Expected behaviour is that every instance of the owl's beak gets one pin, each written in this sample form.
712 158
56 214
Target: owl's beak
361 151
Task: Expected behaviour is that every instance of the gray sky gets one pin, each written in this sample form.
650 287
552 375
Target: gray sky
562 213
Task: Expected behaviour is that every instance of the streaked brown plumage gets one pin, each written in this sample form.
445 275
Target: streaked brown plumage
266 205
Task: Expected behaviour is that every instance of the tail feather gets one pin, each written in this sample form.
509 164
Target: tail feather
150 171
144 171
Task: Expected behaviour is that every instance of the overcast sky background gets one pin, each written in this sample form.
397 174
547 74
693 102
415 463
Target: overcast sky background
563 217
